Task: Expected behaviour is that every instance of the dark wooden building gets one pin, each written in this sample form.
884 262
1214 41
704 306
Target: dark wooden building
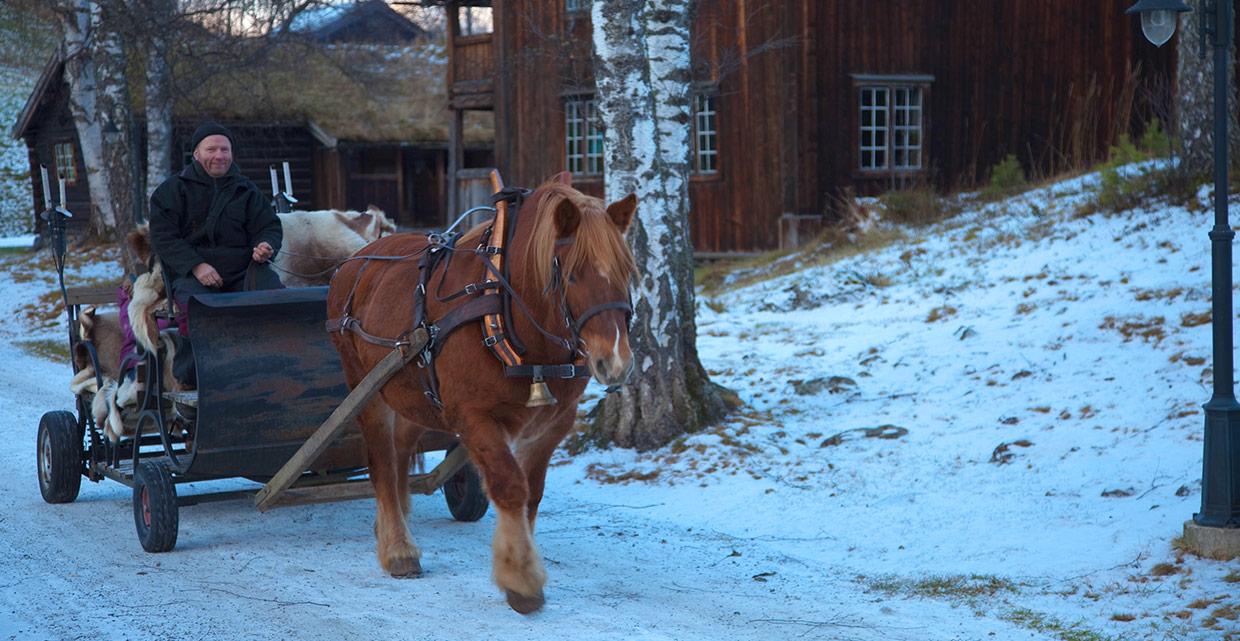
799 101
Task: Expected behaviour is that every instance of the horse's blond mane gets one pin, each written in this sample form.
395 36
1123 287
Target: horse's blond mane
597 241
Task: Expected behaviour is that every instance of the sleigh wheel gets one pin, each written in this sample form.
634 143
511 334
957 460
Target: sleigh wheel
59 457
155 507
467 500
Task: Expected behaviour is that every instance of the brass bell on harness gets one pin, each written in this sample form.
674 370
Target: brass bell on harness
539 395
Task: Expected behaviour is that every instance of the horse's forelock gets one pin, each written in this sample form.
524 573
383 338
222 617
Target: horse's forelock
596 242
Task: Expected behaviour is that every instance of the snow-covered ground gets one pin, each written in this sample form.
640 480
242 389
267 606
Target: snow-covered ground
988 429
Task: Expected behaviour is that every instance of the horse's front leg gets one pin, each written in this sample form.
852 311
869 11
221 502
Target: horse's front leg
516 565
534 452
390 478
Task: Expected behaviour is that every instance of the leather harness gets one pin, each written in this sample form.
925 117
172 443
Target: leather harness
492 304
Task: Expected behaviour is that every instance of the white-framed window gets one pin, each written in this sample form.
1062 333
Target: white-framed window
583 137
66 166
874 101
705 135
906 135
891 123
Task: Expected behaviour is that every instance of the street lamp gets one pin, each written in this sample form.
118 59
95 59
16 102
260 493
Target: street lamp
1217 527
1158 18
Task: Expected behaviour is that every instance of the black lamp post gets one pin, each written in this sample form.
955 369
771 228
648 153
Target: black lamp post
1220 477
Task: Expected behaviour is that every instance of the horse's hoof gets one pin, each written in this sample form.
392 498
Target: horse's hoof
406 569
525 604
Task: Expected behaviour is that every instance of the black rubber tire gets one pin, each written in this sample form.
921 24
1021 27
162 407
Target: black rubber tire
59 455
465 493
155 507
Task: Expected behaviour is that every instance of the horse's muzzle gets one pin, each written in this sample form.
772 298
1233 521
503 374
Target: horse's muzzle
611 370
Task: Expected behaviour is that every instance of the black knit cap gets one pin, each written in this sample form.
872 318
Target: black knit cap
210 128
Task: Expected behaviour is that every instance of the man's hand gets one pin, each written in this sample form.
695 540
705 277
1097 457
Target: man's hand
207 275
263 252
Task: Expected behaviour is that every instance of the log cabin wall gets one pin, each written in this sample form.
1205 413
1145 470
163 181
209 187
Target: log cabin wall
543 58
1044 80
52 127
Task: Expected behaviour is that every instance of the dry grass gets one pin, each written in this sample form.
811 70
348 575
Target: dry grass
831 246
1137 326
1164 569
940 313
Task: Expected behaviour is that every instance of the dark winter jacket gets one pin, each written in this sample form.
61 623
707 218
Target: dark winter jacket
199 219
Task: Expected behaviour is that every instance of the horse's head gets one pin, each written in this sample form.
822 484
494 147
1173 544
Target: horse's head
579 259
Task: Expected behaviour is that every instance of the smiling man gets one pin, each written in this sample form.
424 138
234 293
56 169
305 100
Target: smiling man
213 230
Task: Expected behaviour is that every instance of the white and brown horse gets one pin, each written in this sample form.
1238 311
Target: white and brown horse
315 242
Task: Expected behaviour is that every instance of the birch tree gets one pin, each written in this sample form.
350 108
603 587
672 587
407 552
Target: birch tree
642 76
99 101
159 96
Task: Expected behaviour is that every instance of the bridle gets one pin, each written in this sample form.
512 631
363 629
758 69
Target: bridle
578 323
491 302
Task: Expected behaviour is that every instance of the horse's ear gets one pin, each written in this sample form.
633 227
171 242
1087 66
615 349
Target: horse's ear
621 212
565 178
361 222
567 218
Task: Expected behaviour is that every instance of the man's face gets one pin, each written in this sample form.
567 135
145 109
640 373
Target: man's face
214 153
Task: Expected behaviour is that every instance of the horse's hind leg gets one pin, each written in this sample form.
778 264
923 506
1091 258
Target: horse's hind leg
405 436
390 478
516 566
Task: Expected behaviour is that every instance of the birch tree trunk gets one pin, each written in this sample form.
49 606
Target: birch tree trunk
112 213
95 70
1194 79
75 24
641 67
159 99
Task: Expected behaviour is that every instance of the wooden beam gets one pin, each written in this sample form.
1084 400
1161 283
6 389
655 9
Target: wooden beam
426 483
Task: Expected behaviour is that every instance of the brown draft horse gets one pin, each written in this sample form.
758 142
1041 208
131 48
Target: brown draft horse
567 258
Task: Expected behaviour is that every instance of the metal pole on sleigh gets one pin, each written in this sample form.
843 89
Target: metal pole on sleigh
56 217
282 201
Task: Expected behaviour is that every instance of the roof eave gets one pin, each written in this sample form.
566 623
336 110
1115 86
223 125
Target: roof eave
50 71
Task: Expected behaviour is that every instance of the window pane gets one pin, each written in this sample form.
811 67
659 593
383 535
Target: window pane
706 137
574 138
65 165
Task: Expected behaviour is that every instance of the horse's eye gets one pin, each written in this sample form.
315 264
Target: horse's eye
572 279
